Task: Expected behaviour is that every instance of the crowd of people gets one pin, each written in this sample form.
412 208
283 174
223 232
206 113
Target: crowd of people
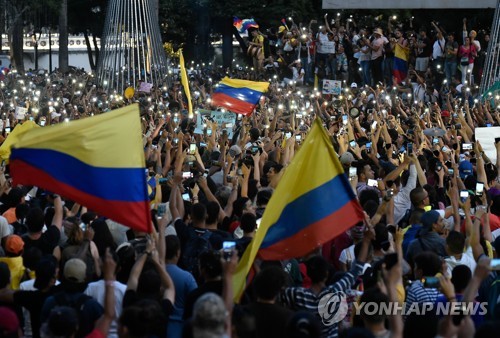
430 194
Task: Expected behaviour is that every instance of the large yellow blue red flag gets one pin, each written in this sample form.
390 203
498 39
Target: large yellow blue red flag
185 83
313 203
238 96
97 162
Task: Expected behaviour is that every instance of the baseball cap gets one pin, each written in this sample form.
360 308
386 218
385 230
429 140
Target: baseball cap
346 158
465 169
14 244
429 218
281 29
75 270
445 113
354 85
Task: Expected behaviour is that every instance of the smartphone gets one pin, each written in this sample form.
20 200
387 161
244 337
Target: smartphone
439 166
372 183
42 123
458 126
288 135
495 264
389 193
464 194
431 282
344 119
368 147
161 210
298 137
186 174
192 148
353 171
352 143
479 188
390 260
467 146
163 181
374 125
409 148
445 149
175 141
186 197
227 249
435 140
451 171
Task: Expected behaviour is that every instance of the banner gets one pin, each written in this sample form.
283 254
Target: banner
221 118
332 87
486 136
145 87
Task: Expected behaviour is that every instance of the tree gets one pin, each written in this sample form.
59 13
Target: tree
16 9
63 37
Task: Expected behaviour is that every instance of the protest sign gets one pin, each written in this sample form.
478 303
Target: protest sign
221 118
21 113
145 87
486 136
328 47
332 87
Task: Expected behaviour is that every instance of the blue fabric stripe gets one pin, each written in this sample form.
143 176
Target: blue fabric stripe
116 184
242 94
310 208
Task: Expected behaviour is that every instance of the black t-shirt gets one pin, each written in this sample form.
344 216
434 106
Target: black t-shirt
47 241
271 319
188 233
427 50
33 301
215 287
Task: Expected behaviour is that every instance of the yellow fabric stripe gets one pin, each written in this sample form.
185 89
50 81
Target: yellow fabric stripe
235 83
110 140
14 137
185 83
315 164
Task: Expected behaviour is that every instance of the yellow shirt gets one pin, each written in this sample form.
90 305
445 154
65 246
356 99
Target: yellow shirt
16 268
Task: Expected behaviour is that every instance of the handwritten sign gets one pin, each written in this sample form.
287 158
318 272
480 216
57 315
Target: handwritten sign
21 113
225 120
328 47
332 87
486 135
145 87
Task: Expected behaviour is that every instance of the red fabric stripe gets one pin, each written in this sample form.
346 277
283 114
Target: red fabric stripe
232 104
133 214
316 234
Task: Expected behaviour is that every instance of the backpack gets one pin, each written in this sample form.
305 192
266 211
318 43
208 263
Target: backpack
85 325
194 247
78 251
405 221
493 295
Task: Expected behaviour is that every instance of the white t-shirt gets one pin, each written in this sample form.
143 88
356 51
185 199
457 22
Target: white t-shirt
437 50
97 290
466 259
322 39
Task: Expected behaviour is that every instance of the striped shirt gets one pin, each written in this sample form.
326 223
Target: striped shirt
304 299
417 293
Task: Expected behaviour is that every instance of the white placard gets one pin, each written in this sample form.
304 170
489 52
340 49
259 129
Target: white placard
21 113
145 87
328 47
486 136
221 118
332 87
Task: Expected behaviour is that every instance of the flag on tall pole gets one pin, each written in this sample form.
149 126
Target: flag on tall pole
313 203
185 83
97 162
238 96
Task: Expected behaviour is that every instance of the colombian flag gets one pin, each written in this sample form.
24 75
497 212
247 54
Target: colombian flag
243 25
312 204
97 162
401 57
239 96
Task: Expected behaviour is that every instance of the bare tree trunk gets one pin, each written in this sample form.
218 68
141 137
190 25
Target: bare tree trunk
96 49
89 51
16 37
63 37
